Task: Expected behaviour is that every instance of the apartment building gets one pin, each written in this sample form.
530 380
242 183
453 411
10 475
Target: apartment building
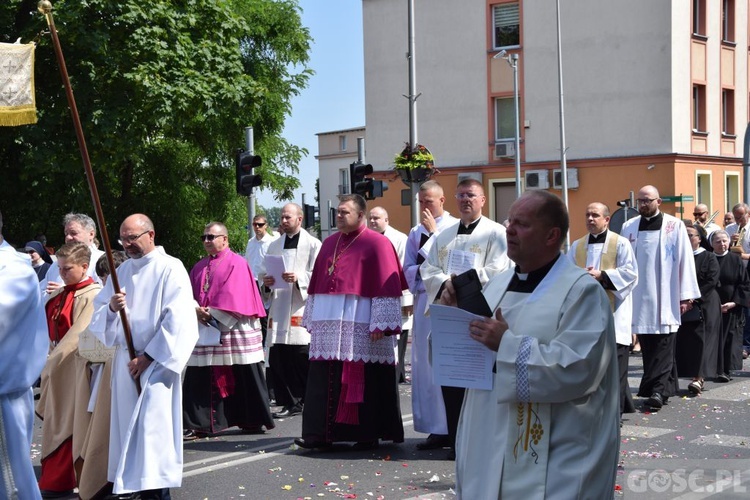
654 92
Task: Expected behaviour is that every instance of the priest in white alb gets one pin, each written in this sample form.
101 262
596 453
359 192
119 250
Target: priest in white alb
549 428
475 242
158 301
289 341
667 285
427 403
609 259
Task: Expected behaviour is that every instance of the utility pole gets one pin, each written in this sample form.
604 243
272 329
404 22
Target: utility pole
250 148
413 141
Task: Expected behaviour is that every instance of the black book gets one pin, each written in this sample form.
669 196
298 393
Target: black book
469 293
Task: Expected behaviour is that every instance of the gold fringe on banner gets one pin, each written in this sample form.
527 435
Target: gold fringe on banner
17 95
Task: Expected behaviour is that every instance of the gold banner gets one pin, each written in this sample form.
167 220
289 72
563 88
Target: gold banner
17 101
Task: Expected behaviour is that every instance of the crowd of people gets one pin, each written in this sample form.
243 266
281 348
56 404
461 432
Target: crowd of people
318 330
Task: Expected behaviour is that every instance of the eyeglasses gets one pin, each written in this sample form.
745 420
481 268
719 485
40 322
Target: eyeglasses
466 196
129 240
644 201
696 214
694 235
210 237
259 224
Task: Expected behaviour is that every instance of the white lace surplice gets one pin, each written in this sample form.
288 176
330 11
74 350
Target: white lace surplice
340 327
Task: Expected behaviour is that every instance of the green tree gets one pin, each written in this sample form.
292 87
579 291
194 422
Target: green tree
164 90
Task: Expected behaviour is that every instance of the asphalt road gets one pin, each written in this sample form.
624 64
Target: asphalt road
693 448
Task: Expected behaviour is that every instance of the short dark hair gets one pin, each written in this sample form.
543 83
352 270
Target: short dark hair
468 182
552 210
102 265
359 202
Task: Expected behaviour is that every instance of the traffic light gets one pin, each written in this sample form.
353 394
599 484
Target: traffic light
365 186
357 173
245 178
309 214
377 189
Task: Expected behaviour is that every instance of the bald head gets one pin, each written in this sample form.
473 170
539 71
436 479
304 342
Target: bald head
700 213
291 219
648 201
378 219
597 218
137 235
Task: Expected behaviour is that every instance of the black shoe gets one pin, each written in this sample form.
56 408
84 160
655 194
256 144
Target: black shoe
311 445
434 442
288 411
723 378
191 435
655 401
55 493
253 429
695 387
365 445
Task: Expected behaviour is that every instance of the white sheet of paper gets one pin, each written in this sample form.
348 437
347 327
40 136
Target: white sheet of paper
275 267
460 261
208 335
457 359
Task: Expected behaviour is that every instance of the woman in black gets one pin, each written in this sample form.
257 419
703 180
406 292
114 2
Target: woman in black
702 323
734 290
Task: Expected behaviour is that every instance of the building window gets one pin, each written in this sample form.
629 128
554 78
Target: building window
342 143
507 25
727 21
703 188
727 112
505 118
699 17
699 108
731 190
344 181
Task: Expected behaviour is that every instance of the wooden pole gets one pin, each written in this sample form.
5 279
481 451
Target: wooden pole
45 7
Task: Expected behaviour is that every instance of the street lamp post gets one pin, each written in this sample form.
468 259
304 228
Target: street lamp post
512 60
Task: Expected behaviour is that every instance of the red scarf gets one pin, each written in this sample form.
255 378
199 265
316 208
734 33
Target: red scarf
60 310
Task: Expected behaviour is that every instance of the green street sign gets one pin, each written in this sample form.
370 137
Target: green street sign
677 199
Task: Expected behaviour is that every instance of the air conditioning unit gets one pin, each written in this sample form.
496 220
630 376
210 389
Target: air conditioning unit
537 179
505 149
572 178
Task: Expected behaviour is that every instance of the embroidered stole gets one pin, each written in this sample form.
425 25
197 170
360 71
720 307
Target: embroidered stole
608 259
527 450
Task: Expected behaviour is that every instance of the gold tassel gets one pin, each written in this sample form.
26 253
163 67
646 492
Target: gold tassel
15 117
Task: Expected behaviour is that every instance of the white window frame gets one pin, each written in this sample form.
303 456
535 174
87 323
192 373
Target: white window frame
511 137
700 190
731 199
344 180
495 14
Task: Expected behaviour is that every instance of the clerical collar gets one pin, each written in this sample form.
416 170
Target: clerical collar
527 282
353 234
698 250
721 254
223 252
468 229
597 238
652 223
291 241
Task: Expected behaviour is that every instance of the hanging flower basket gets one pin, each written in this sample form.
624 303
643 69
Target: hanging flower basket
414 164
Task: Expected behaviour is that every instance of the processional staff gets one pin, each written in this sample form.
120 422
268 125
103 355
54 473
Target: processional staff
45 7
